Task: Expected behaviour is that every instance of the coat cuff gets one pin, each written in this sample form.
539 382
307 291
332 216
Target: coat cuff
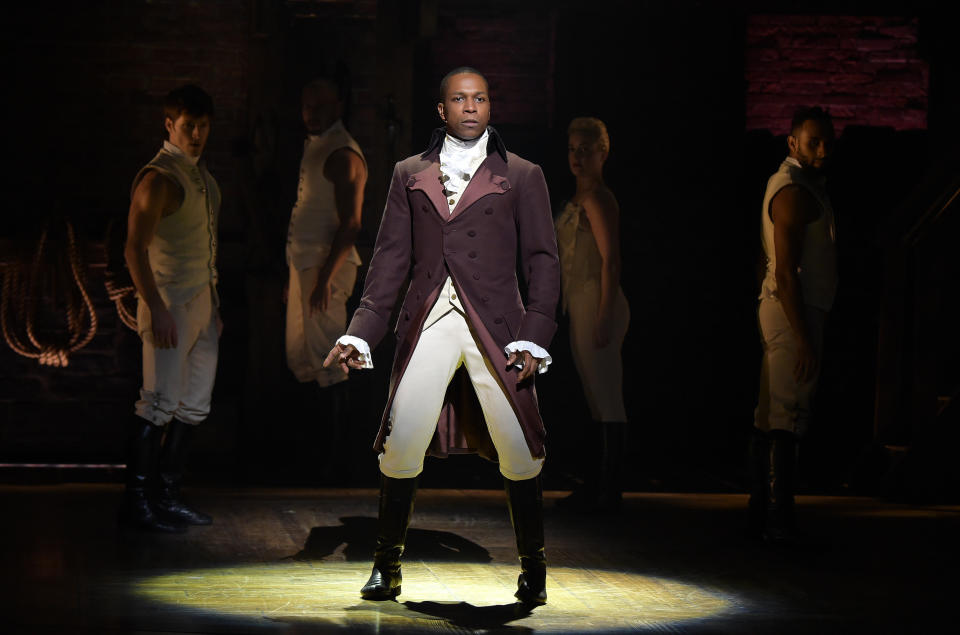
537 351
362 347
536 327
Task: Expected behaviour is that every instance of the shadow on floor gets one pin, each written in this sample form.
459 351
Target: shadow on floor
359 533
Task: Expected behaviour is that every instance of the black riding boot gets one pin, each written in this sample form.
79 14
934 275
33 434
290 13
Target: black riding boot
172 460
758 457
584 498
611 461
780 516
396 507
137 510
525 502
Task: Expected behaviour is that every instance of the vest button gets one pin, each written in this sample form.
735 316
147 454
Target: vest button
484 299
472 254
471 233
488 211
476 276
498 320
425 208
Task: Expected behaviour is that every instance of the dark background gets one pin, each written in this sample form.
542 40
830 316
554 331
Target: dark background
697 97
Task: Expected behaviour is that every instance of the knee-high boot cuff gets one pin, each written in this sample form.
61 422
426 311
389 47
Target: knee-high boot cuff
143 447
397 497
781 483
176 444
137 510
525 503
611 466
758 468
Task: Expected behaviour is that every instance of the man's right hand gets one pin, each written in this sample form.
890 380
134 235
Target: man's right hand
807 363
346 356
164 328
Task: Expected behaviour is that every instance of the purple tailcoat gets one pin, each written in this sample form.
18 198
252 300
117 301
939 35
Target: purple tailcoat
502 220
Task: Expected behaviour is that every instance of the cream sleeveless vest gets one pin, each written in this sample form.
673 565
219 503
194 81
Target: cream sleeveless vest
314 219
183 252
818 262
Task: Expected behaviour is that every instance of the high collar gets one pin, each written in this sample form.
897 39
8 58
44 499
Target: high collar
176 151
455 146
813 175
494 143
337 125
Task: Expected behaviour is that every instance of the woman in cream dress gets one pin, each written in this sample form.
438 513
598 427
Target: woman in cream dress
588 238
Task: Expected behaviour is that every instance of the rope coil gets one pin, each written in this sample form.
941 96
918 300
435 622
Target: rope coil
21 299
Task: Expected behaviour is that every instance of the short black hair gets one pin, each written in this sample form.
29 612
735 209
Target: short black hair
189 99
459 71
809 113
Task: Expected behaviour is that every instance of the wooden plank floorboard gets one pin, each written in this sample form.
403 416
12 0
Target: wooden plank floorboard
292 561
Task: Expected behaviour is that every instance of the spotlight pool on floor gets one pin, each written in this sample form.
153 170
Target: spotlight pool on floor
435 595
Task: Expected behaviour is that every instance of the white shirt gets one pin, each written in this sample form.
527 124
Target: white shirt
459 160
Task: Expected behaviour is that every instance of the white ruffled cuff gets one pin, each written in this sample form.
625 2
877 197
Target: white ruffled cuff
537 351
362 347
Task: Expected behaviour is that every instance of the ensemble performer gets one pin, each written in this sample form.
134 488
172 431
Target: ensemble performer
322 258
320 239
798 289
588 237
458 218
171 252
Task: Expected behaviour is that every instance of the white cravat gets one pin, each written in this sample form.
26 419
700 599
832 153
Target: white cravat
459 160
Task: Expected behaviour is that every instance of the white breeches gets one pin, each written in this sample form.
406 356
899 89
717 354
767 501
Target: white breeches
785 404
178 382
442 348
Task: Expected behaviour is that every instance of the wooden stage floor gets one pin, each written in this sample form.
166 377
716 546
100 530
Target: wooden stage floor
292 561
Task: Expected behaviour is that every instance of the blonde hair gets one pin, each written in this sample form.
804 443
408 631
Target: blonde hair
593 129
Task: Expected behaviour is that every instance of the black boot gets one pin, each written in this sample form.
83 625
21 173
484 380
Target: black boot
758 458
780 525
396 507
172 461
336 464
525 503
584 498
611 491
137 510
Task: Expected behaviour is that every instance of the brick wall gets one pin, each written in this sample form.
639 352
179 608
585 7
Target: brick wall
866 69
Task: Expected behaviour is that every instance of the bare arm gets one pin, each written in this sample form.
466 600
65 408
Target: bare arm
604 216
155 196
348 173
791 210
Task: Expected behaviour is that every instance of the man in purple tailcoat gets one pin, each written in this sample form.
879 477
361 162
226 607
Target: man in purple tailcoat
459 219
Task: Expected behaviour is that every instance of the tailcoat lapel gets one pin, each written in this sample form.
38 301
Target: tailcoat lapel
428 181
490 178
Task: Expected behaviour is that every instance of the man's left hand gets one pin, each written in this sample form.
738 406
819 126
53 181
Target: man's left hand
530 364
